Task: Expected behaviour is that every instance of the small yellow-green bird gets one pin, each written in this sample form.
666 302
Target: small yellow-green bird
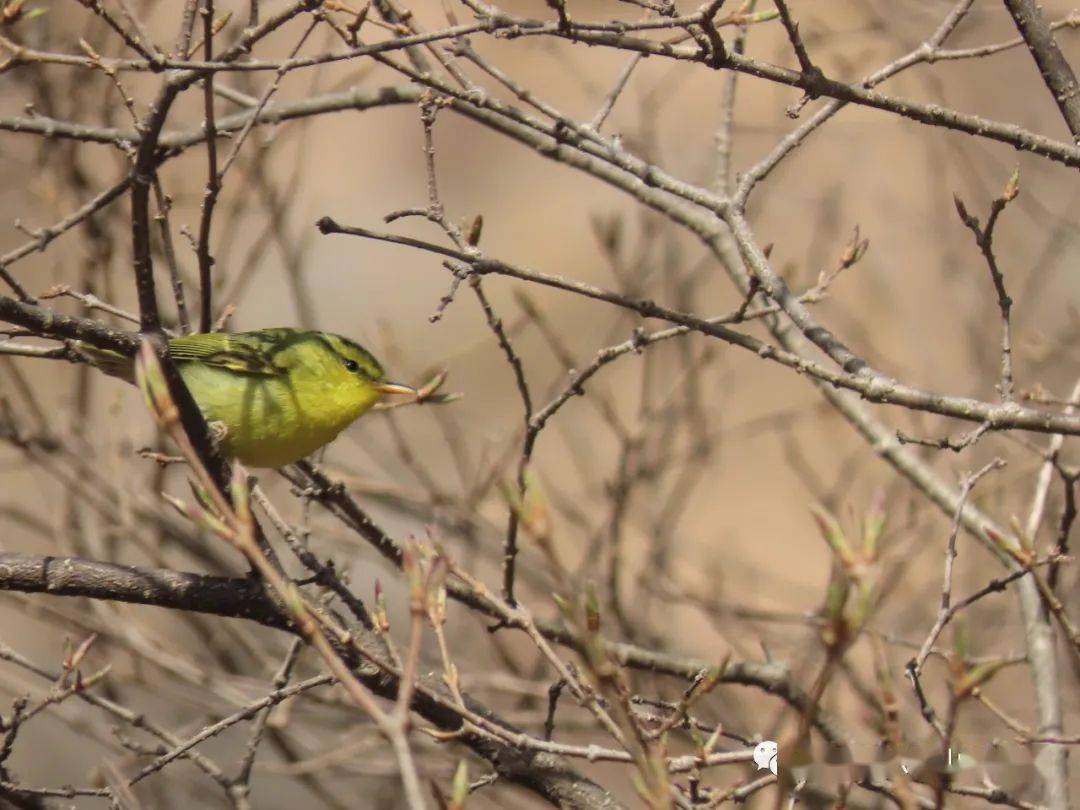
275 395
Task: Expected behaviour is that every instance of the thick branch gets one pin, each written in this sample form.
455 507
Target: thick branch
50 323
247 598
1054 67
160 587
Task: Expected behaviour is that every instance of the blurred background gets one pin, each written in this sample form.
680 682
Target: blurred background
681 482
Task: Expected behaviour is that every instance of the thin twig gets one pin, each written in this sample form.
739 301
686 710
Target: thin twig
213 181
945 609
984 238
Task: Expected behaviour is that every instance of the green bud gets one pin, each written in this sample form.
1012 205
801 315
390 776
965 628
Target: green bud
460 789
1012 188
833 535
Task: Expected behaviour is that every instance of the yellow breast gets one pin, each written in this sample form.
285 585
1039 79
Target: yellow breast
271 421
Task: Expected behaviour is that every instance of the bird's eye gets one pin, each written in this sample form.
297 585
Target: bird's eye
352 366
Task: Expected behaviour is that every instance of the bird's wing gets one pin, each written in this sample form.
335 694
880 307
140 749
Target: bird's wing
249 353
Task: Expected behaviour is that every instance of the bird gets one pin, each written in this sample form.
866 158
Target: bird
271 396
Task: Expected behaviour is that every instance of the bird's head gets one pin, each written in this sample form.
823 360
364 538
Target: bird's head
347 371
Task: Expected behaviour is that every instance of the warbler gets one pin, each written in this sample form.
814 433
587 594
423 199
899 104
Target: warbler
271 396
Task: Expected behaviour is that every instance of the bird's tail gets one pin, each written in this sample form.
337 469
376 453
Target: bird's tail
112 363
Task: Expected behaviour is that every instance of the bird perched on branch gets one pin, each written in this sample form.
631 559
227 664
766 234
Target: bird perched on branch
273 396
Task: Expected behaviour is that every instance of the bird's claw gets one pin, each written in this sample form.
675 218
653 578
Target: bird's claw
218 432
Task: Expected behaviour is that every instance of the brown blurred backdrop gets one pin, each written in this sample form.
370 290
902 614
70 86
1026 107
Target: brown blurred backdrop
745 557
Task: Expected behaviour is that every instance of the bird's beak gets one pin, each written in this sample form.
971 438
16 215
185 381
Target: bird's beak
395 388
